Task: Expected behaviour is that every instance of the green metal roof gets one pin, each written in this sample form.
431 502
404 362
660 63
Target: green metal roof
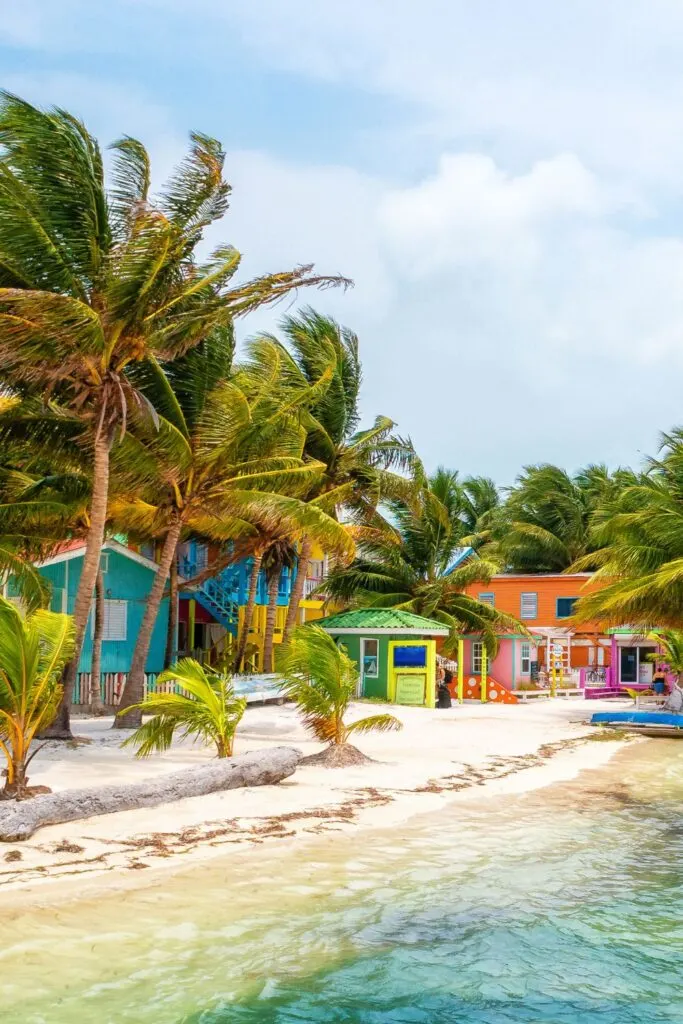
382 620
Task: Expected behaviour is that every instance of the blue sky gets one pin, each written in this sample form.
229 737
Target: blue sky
502 181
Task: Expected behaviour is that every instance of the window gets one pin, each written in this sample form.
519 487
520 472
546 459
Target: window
525 653
487 598
104 561
477 649
370 659
564 607
528 606
115 626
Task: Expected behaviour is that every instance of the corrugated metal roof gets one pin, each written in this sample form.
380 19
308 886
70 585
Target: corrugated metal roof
378 619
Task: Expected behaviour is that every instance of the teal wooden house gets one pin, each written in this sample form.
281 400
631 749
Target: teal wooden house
128 578
395 652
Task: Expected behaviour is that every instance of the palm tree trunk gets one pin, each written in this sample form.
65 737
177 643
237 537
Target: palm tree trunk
134 690
248 612
297 591
96 705
61 727
169 656
273 588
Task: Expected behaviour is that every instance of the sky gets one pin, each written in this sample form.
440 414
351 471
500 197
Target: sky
502 181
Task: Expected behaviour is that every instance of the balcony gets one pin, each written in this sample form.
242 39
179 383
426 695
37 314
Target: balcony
311 583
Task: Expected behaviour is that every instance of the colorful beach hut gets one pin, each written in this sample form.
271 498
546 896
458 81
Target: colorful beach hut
395 652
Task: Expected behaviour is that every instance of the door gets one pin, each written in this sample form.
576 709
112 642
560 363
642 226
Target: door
646 664
628 665
369 667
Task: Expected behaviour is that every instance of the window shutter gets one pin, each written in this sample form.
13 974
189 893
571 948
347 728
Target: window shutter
115 625
528 606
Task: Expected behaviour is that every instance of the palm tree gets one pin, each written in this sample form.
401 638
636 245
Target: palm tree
480 504
670 643
95 281
413 562
206 708
321 679
640 537
96 703
35 516
358 464
226 465
546 522
33 651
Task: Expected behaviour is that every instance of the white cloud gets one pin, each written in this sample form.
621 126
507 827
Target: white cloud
603 80
516 251
471 211
503 319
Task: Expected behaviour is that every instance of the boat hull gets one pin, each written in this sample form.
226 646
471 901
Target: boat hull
647 723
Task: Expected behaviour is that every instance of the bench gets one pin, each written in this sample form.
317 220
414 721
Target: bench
525 695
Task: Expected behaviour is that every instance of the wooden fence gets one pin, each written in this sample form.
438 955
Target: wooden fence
111 688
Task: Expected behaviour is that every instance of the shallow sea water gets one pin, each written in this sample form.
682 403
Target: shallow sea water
564 906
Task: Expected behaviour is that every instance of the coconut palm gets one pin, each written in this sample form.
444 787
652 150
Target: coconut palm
225 465
96 703
546 522
413 562
33 651
480 504
670 644
321 679
96 280
640 537
358 463
38 510
206 708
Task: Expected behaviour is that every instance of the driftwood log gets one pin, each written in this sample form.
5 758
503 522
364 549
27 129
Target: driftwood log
20 819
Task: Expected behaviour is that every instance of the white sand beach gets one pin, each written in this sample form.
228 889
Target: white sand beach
439 756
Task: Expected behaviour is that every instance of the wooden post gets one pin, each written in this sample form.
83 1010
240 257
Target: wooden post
461 669
190 626
484 666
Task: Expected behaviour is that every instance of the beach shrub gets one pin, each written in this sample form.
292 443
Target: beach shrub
33 651
321 679
204 706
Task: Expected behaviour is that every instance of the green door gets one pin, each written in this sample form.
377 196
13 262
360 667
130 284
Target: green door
370 685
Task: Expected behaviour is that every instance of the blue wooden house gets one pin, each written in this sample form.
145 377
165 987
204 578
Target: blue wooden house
210 610
128 578
209 613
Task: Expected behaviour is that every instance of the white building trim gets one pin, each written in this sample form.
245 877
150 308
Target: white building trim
109 545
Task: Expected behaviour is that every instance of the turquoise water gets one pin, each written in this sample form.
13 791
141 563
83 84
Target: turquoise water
561 907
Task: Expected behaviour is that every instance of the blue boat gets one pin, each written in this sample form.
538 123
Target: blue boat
649 723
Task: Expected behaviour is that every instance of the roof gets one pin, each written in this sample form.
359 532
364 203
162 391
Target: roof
460 555
541 576
76 549
382 620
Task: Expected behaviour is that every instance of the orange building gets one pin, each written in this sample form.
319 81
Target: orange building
544 604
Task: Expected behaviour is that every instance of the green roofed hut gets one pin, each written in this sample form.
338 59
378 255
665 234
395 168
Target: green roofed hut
395 652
